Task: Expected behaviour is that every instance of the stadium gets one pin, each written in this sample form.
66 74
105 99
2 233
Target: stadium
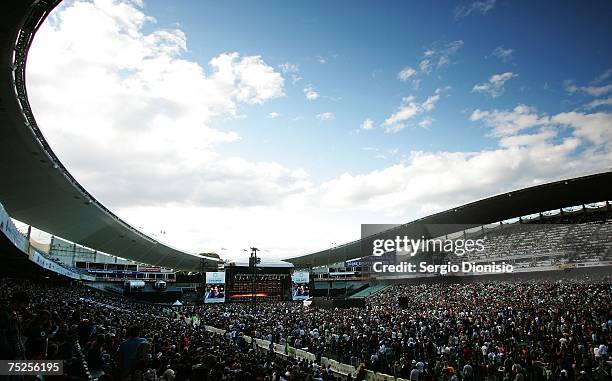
109 302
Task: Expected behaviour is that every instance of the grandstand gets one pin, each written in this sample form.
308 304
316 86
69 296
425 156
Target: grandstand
100 282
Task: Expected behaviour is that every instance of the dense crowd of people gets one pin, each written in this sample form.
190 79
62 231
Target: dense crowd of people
470 331
124 340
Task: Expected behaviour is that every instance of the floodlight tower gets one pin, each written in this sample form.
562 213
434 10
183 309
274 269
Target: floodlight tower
202 269
253 261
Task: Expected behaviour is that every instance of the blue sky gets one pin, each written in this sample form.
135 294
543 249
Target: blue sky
288 124
365 44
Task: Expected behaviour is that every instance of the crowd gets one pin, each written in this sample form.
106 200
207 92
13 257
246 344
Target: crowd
517 331
472 331
124 340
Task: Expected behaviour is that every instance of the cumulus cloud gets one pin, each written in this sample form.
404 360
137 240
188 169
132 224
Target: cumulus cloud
251 80
530 152
273 115
593 128
451 178
409 109
147 116
494 87
310 93
142 130
509 122
542 136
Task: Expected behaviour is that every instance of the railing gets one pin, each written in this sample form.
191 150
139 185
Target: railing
336 366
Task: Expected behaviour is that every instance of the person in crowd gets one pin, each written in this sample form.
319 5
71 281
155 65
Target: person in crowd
12 346
126 354
466 331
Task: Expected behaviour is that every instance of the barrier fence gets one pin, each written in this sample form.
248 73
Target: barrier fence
336 367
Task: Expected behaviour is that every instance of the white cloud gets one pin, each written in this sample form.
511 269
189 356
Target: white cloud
504 54
570 86
367 124
597 91
147 116
292 70
599 102
406 73
495 86
310 93
447 51
273 115
604 76
430 102
481 7
596 127
152 120
522 160
325 116
439 55
441 90
250 78
289 67
409 109
506 123
425 66
426 122
544 135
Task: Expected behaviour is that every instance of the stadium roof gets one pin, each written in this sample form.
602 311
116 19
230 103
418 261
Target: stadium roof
556 195
34 185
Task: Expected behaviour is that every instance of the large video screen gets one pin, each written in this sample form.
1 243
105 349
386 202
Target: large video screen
215 287
300 285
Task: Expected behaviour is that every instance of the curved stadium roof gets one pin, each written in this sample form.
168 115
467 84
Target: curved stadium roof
34 185
556 195
36 188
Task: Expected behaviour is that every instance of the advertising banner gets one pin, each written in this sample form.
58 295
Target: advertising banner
48 264
149 269
300 285
215 287
10 231
387 259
